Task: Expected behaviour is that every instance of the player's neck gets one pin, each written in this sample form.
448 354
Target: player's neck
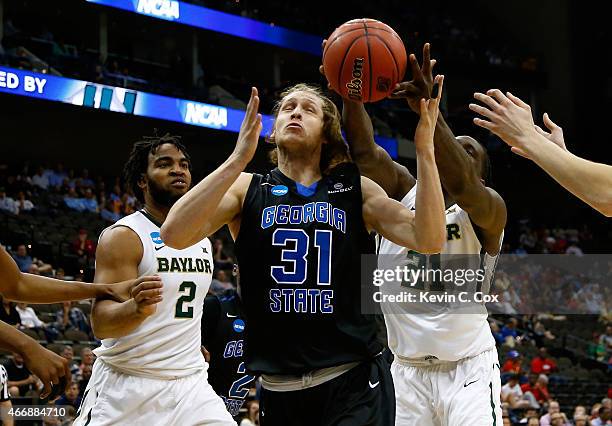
156 211
301 169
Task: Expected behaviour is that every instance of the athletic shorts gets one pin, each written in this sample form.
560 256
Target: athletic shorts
113 398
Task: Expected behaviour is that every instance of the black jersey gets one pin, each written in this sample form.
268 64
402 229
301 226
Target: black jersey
223 328
299 260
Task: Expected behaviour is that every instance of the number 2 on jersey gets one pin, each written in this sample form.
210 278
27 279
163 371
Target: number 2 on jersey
190 288
297 269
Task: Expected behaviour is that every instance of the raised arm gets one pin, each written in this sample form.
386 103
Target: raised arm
217 199
373 161
459 177
510 118
424 230
22 287
117 258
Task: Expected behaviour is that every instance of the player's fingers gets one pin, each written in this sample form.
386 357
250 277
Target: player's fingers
423 106
485 112
433 62
519 151
487 100
518 101
417 74
484 124
46 390
440 82
551 125
499 96
151 301
426 59
321 70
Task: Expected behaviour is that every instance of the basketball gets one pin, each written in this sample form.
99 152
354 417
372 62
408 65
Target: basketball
364 59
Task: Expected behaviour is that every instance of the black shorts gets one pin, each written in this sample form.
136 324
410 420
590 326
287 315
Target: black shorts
363 396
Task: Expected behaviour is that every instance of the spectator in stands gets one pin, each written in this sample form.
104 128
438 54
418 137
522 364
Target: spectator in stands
221 258
30 320
512 394
60 274
499 339
252 417
581 420
5 399
23 204
20 380
604 417
533 421
73 201
221 283
509 332
71 317
90 203
7 204
505 421
28 264
68 353
513 363
70 397
8 313
558 419
85 181
40 179
56 177
542 363
84 379
596 349
87 359
529 413
109 214
553 408
83 247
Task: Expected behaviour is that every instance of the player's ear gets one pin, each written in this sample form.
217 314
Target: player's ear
142 182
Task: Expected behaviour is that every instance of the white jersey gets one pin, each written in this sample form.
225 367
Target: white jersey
427 330
166 345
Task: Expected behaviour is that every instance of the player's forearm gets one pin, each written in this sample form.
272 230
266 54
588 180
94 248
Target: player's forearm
430 229
23 287
589 181
456 171
14 340
111 320
359 132
198 206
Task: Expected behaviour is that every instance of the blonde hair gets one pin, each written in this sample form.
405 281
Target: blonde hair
336 150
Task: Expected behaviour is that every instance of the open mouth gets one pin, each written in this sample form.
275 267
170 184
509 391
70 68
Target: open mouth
293 126
179 183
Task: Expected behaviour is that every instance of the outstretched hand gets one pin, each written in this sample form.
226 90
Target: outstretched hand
422 83
429 111
510 118
250 130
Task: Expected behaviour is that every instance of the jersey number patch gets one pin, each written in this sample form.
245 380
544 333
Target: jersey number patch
295 265
180 311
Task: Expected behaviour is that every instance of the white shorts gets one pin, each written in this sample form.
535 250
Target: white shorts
465 392
114 398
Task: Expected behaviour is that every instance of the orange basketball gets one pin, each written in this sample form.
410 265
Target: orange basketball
364 59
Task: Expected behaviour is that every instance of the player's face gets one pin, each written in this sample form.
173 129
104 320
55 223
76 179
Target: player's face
168 176
299 120
475 151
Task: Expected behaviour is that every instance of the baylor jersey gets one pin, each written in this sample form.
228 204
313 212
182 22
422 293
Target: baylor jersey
299 258
165 345
448 332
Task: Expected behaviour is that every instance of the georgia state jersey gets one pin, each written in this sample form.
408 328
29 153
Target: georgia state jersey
223 328
166 344
443 330
299 251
